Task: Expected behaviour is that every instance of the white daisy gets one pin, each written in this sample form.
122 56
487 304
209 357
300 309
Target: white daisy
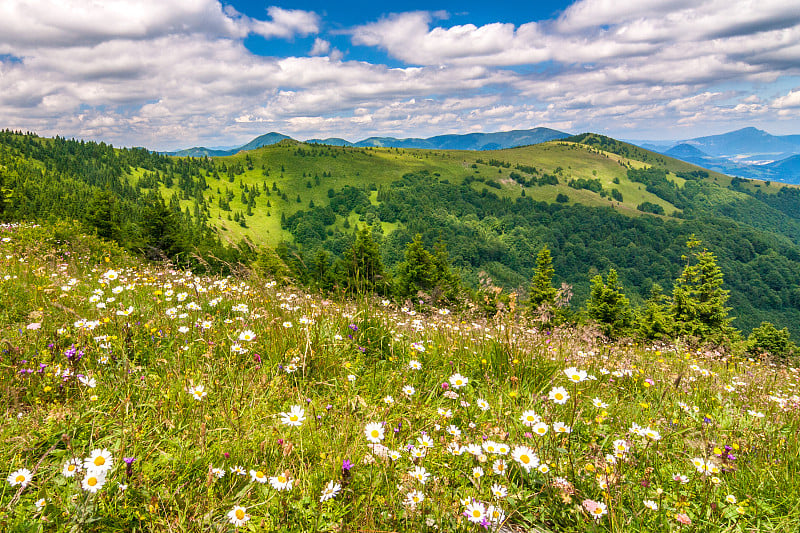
331 490
238 515
374 432
100 459
20 477
94 480
295 417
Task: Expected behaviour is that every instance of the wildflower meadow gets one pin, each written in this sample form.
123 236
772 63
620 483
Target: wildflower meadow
140 398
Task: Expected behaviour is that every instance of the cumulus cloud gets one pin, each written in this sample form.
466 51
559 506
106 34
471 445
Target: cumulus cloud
321 47
171 74
790 100
285 23
38 23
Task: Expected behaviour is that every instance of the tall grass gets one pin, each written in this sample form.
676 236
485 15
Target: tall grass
78 313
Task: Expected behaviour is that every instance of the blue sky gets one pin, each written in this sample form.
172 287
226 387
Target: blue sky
179 73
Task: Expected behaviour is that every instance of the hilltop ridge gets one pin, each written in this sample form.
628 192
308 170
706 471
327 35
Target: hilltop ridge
469 141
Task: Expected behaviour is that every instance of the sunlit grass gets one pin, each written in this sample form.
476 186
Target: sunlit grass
195 379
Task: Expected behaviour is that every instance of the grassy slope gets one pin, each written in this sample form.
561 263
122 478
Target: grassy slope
363 167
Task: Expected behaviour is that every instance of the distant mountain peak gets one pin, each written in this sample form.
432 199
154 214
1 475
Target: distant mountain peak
685 150
467 141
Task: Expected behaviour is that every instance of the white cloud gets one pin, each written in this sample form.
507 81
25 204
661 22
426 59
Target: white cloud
173 73
285 23
321 47
790 100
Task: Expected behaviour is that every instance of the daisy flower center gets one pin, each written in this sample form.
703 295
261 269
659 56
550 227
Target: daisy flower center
99 461
259 474
20 478
92 481
375 433
239 514
525 459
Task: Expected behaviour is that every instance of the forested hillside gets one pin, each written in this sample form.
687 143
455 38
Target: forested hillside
106 188
596 203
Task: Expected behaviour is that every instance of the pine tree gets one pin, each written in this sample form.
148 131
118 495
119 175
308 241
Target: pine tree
653 321
363 264
541 294
767 339
608 305
101 214
698 299
418 272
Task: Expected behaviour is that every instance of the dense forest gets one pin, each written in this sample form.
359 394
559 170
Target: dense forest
486 233
472 236
51 179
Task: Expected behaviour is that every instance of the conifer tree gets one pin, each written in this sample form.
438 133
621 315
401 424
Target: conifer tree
363 264
609 306
270 264
101 214
698 299
418 271
541 294
653 321
449 282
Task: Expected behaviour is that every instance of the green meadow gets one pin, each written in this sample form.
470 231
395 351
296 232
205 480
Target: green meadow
137 397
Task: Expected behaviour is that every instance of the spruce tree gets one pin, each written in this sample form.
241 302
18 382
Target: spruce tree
448 281
653 321
418 271
363 264
101 214
698 299
541 294
609 306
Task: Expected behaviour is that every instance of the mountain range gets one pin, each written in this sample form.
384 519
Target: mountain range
747 153
469 141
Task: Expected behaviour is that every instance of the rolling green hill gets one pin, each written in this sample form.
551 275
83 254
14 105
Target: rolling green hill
597 203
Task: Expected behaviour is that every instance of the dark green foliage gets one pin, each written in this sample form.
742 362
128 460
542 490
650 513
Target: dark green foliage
348 199
698 299
56 179
102 215
547 179
767 339
582 183
656 182
270 265
608 306
562 198
541 293
425 275
653 321
162 236
363 265
650 207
